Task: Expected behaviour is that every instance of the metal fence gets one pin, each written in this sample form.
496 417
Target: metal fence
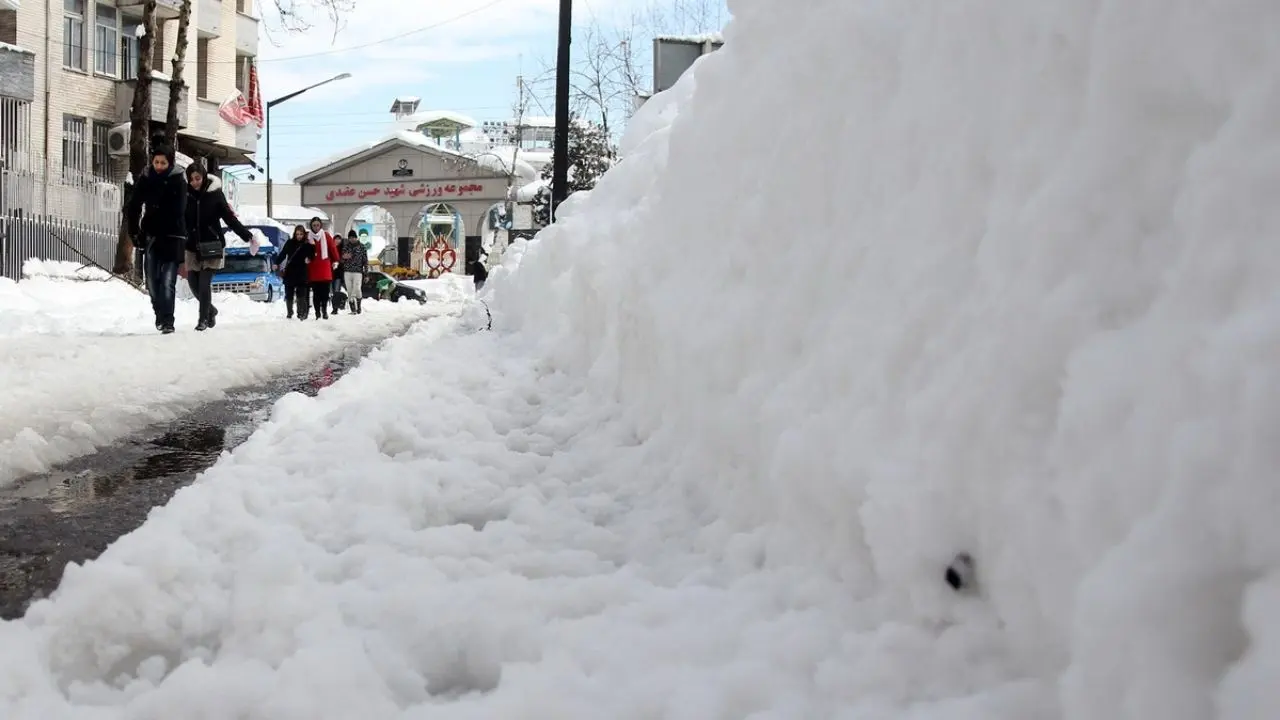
82 220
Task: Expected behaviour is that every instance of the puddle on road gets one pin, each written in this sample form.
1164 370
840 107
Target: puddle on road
181 449
71 514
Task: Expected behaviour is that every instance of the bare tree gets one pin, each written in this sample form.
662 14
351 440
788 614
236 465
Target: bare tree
176 82
139 132
295 16
613 64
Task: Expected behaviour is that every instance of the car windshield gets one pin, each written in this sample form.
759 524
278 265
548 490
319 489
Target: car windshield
245 264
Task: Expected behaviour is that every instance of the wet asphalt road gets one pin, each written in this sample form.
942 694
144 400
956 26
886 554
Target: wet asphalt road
74 512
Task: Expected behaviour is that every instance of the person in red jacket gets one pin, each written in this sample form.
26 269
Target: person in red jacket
320 267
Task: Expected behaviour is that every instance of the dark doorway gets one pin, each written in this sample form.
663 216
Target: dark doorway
404 248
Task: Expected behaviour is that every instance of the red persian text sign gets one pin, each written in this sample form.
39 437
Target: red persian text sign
424 191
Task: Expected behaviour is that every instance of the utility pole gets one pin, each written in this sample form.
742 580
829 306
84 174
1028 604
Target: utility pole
509 207
560 156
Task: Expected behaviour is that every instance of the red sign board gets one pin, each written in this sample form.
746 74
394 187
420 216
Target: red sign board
412 191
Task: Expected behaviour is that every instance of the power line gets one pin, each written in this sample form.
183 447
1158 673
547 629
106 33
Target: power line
384 115
38 40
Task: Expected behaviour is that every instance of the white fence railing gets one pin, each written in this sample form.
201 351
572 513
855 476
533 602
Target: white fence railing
81 221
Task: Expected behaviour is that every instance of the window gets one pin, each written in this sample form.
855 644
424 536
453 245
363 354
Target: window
202 68
101 157
75 149
73 34
242 6
107 41
242 74
245 264
129 51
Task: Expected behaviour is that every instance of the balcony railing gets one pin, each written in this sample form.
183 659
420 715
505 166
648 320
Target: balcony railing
208 18
165 9
247 138
159 101
17 74
207 120
246 35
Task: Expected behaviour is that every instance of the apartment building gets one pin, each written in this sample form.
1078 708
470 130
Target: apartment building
69 69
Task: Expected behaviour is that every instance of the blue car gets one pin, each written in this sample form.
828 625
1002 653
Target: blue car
251 275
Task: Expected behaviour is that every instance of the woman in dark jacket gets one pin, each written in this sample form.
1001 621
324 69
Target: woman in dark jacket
207 209
293 270
157 223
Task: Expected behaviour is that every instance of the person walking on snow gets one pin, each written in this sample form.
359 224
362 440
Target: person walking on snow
296 253
207 209
355 263
156 214
335 288
321 266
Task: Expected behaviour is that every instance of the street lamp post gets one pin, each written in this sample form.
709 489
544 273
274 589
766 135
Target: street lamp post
277 101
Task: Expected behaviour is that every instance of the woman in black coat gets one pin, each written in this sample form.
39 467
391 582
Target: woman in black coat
207 209
156 214
293 270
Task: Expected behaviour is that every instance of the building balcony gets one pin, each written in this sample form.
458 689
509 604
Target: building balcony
17 74
165 9
207 120
159 101
208 20
247 138
246 35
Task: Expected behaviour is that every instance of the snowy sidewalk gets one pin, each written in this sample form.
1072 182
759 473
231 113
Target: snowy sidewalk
447 532
83 367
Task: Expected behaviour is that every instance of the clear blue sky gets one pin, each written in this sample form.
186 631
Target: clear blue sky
460 55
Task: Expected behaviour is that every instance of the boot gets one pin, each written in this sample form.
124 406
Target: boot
212 320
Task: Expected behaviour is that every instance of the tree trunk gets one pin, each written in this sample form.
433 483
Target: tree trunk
176 83
139 133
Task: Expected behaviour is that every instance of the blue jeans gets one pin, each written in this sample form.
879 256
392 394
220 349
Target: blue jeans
162 285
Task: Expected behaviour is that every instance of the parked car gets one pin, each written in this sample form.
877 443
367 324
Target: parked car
391 288
250 274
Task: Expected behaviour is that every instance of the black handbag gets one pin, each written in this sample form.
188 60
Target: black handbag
209 249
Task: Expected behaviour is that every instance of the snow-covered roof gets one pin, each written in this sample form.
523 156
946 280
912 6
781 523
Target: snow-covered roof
281 212
698 38
526 193
500 162
537 121
430 116
415 139
6 47
405 105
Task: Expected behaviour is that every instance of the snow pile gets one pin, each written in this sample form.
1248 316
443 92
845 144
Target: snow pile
234 241
83 366
63 270
50 303
1013 292
1007 289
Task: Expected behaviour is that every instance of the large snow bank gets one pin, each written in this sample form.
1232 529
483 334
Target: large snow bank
1022 303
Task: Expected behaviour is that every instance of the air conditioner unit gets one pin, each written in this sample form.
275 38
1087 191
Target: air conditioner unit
118 140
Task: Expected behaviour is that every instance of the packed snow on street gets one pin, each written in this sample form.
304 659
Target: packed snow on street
1003 287
83 365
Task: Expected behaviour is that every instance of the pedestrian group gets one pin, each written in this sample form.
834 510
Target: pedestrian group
177 222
